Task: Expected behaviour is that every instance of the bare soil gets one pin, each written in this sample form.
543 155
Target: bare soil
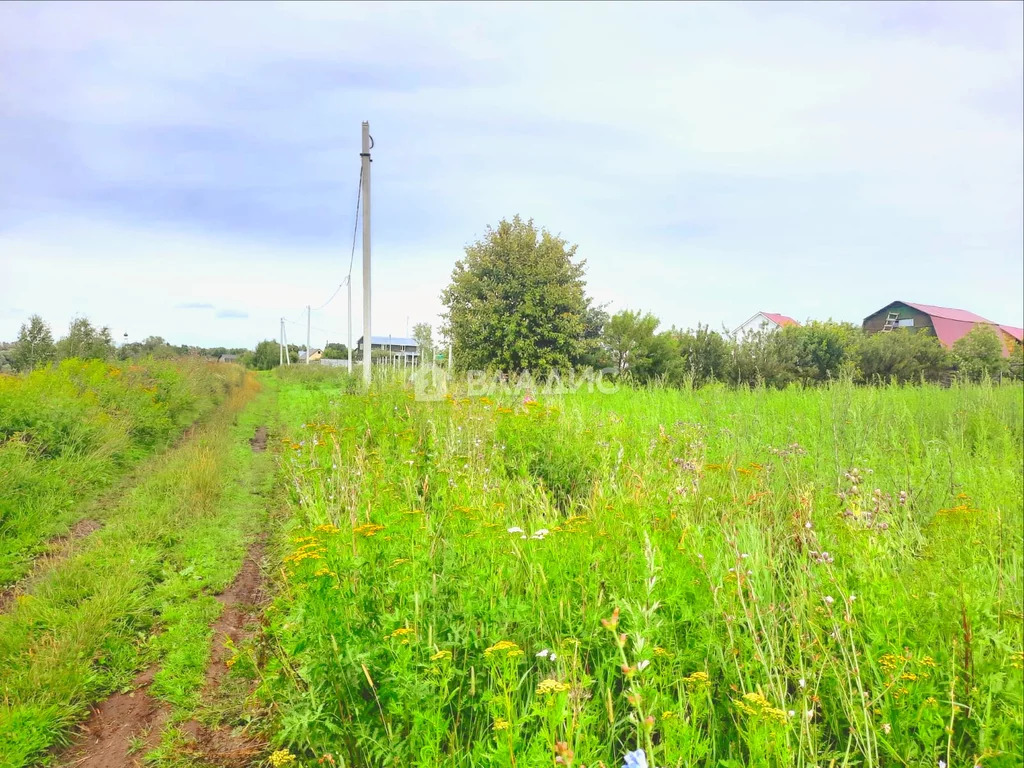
224 746
259 440
120 730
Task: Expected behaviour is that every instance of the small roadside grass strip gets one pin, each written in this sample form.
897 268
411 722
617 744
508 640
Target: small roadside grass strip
90 624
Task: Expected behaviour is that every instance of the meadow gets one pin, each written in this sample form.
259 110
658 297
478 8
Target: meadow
646 578
69 430
713 577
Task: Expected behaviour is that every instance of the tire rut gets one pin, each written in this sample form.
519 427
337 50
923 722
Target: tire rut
120 729
222 745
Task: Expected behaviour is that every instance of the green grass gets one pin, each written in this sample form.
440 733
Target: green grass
827 577
140 591
68 430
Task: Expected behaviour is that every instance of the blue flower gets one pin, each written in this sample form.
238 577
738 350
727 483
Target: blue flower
637 759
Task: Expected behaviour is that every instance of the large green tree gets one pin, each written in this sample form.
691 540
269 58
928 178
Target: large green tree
517 301
34 345
86 341
629 338
979 353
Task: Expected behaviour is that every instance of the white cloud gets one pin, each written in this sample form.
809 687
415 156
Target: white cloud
710 160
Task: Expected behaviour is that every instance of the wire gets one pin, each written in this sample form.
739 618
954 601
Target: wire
355 224
352 256
317 309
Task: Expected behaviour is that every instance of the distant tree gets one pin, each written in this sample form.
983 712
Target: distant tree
979 353
34 346
703 355
267 355
516 301
424 336
152 346
595 354
762 357
902 355
820 351
335 351
1015 362
6 364
629 339
86 342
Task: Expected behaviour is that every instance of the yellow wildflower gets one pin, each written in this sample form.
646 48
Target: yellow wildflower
281 757
500 724
551 686
756 705
441 656
507 647
697 679
402 634
326 528
368 529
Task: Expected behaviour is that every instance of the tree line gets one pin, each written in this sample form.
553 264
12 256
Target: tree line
517 301
35 346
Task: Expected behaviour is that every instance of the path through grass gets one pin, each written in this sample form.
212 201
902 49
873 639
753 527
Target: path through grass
141 591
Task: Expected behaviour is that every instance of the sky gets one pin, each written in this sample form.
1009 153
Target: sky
190 170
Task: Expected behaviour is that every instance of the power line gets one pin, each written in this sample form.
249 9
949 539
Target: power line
355 224
317 309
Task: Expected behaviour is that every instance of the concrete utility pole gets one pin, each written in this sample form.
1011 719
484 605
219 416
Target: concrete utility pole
308 312
349 281
367 333
280 341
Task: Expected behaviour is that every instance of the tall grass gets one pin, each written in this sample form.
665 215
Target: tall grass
719 578
140 591
70 429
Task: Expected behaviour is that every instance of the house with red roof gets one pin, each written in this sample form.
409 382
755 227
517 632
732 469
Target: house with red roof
947 324
764 321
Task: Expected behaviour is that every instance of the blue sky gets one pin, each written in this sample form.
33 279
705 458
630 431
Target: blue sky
189 170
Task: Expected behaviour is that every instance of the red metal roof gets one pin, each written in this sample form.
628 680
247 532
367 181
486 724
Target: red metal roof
949 331
953 324
781 320
1017 333
961 315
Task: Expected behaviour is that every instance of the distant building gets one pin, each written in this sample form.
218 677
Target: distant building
316 355
764 321
947 324
393 350
227 359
